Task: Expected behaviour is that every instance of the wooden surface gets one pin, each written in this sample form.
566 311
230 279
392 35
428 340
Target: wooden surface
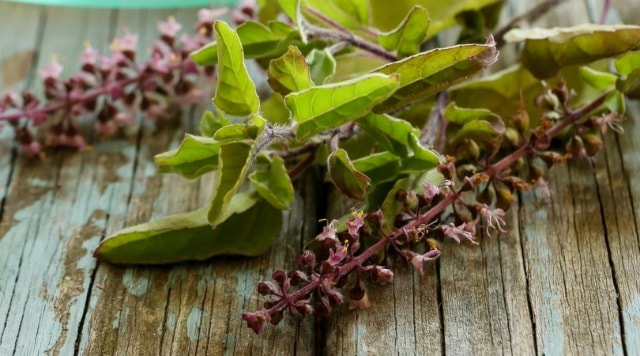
564 280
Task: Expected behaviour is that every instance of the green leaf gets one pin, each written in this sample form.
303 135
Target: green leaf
195 156
478 124
322 65
210 123
289 72
235 92
346 177
422 159
629 66
391 133
258 41
274 185
379 167
628 63
546 51
409 35
386 14
189 237
323 107
233 163
273 109
352 14
428 73
500 92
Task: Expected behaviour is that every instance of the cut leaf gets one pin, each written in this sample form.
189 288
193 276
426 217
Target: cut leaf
289 72
409 35
195 156
258 41
189 237
235 92
428 73
233 163
346 177
546 51
322 65
274 185
324 107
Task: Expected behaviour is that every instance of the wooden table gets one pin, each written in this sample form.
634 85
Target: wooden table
564 280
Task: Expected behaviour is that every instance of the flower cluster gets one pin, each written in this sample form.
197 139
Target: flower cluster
471 194
111 88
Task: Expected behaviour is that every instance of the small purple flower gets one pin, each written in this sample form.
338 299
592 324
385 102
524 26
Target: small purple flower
430 191
209 16
328 232
170 27
336 256
89 55
457 232
610 121
256 320
127 42
417 260
356 223
494 218
52 70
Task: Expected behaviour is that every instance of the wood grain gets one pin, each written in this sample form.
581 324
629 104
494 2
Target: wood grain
563 280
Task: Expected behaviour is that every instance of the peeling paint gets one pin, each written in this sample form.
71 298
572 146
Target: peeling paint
195 320
631 319
136 285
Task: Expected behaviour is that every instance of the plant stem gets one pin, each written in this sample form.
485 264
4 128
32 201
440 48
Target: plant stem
321 32
570 117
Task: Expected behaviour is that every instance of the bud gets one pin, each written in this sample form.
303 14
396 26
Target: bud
307 259
279 276
266 288
335 298
297 277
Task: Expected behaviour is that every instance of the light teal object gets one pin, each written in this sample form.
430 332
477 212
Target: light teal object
130 4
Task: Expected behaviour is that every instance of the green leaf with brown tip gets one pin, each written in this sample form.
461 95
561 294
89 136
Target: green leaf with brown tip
409 35
289 73
428 73
189 237
546 51
235 92
328 106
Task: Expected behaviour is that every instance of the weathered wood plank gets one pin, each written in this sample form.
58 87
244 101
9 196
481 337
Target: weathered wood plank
49 244
620 193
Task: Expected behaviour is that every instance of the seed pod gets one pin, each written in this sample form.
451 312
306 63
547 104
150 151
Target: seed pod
512 136
466 170
575 146
537 169
411 200
504 197
521 120
486 195
592 144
